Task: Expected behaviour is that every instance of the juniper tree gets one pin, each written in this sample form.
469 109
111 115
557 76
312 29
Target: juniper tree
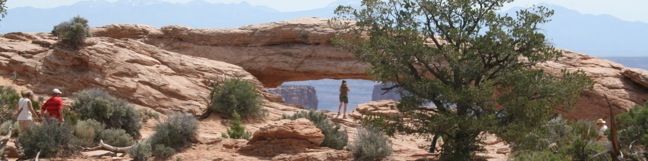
472 62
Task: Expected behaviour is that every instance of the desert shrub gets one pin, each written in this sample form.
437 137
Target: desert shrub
141 151
162 152
235 95
176 132
334 136
236 129
371 144
538 156
8 100
116 137
87 131
633 132
112 112
50 138
73 32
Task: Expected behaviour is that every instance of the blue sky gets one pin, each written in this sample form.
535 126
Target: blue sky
629 10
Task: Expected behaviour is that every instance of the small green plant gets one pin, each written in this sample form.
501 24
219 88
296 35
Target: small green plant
50 138
8 100
162 152
334 136
73 32
236 129
116 137
235 95
371 144
633 132
112 112
175 133
141 151
544 155
86 131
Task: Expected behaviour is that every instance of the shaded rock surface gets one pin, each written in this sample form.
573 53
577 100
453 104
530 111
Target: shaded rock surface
637 75
299 95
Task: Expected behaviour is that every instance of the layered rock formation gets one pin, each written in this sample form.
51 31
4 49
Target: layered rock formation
376 108
298 95
284 136
273 52
132 70
301 50
380 93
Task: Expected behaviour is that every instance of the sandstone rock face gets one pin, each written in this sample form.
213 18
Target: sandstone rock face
377 108
637 75
284 137
609 81
299 95
132 70
274 52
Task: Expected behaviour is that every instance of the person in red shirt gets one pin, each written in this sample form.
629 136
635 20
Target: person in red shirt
53 107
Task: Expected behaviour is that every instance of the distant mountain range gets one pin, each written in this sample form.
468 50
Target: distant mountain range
598 35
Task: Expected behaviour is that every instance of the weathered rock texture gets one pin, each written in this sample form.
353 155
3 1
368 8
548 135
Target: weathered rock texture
376 108
637 75
273 52
609 81
132 70
301 50
298 95
284 137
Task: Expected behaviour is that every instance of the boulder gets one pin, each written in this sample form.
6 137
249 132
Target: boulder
377 108
638 76
323 154
299 95
292 136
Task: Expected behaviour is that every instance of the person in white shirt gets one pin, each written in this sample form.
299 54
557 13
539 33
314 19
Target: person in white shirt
601 129
25 111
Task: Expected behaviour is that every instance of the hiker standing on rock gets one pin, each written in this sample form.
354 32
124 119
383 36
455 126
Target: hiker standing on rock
344 98
53 107
25 111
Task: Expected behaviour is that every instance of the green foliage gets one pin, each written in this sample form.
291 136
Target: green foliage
334 137
176 132
466 60
112 112
3 8
539 156
576 141
50 138
141 151
235 95
633 132
370 144
116 137
162 152
4 128
73 32
8 101
236 129
87 131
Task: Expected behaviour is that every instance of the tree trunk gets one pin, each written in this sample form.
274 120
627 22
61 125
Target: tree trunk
460 146
104 146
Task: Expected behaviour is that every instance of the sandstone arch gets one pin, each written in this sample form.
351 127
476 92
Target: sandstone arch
301 50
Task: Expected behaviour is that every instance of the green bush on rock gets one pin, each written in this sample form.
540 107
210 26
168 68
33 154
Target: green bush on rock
87 131
73 32
235 95
112 112
50 138
116 137
371 144
236 129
